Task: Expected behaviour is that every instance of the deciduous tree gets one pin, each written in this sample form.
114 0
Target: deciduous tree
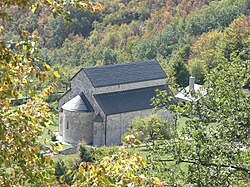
22 161
213 149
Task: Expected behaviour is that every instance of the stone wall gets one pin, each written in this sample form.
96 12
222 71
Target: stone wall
98 134
64 99
78 126
60 128
69 151
118 124
81 83
130 86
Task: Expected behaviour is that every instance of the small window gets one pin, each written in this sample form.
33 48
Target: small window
67 125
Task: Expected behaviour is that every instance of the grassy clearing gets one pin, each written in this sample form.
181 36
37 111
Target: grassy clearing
143 150
48 131
68 159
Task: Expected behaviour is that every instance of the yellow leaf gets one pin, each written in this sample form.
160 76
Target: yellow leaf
69 172
33 8
55 74
97 7
47 67
157 180
62 179
60 146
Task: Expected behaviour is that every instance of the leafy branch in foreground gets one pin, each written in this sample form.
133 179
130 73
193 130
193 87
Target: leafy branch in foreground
213 149
120 169
22 158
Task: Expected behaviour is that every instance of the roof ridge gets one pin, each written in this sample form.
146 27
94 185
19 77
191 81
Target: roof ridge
125 73
86 102
121 64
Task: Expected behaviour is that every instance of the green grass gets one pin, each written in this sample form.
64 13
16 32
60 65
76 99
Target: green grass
48 131
68 159
142 150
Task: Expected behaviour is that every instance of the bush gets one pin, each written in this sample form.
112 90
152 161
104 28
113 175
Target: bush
53 137
61 170
85 154
150 128
97 153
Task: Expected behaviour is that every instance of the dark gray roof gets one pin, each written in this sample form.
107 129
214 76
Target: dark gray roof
78 104
125 73
128 101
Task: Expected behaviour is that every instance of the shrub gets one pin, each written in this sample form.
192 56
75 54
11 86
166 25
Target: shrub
85 154
53 137
61 171
150 128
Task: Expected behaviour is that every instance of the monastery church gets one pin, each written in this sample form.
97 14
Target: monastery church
103 100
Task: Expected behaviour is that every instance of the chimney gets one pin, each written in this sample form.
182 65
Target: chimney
191 83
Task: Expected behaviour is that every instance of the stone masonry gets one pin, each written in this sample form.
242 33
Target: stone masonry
94 118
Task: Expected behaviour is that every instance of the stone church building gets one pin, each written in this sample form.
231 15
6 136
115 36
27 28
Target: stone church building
103 100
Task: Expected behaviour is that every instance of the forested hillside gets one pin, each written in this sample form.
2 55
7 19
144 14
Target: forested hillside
205 38
185 36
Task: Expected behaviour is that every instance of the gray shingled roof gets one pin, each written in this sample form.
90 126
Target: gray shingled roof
78 104
125 73
128 101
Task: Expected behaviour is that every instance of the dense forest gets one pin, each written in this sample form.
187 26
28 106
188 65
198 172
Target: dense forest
208 39
186 37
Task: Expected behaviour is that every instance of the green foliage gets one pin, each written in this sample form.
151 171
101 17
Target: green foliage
21 161
92 154
85 154
236 39
22 158
178 61
151 127
214 144
134 30
53 137
62 173
120 169
213 148
58 29
97 153
205 54
218 14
